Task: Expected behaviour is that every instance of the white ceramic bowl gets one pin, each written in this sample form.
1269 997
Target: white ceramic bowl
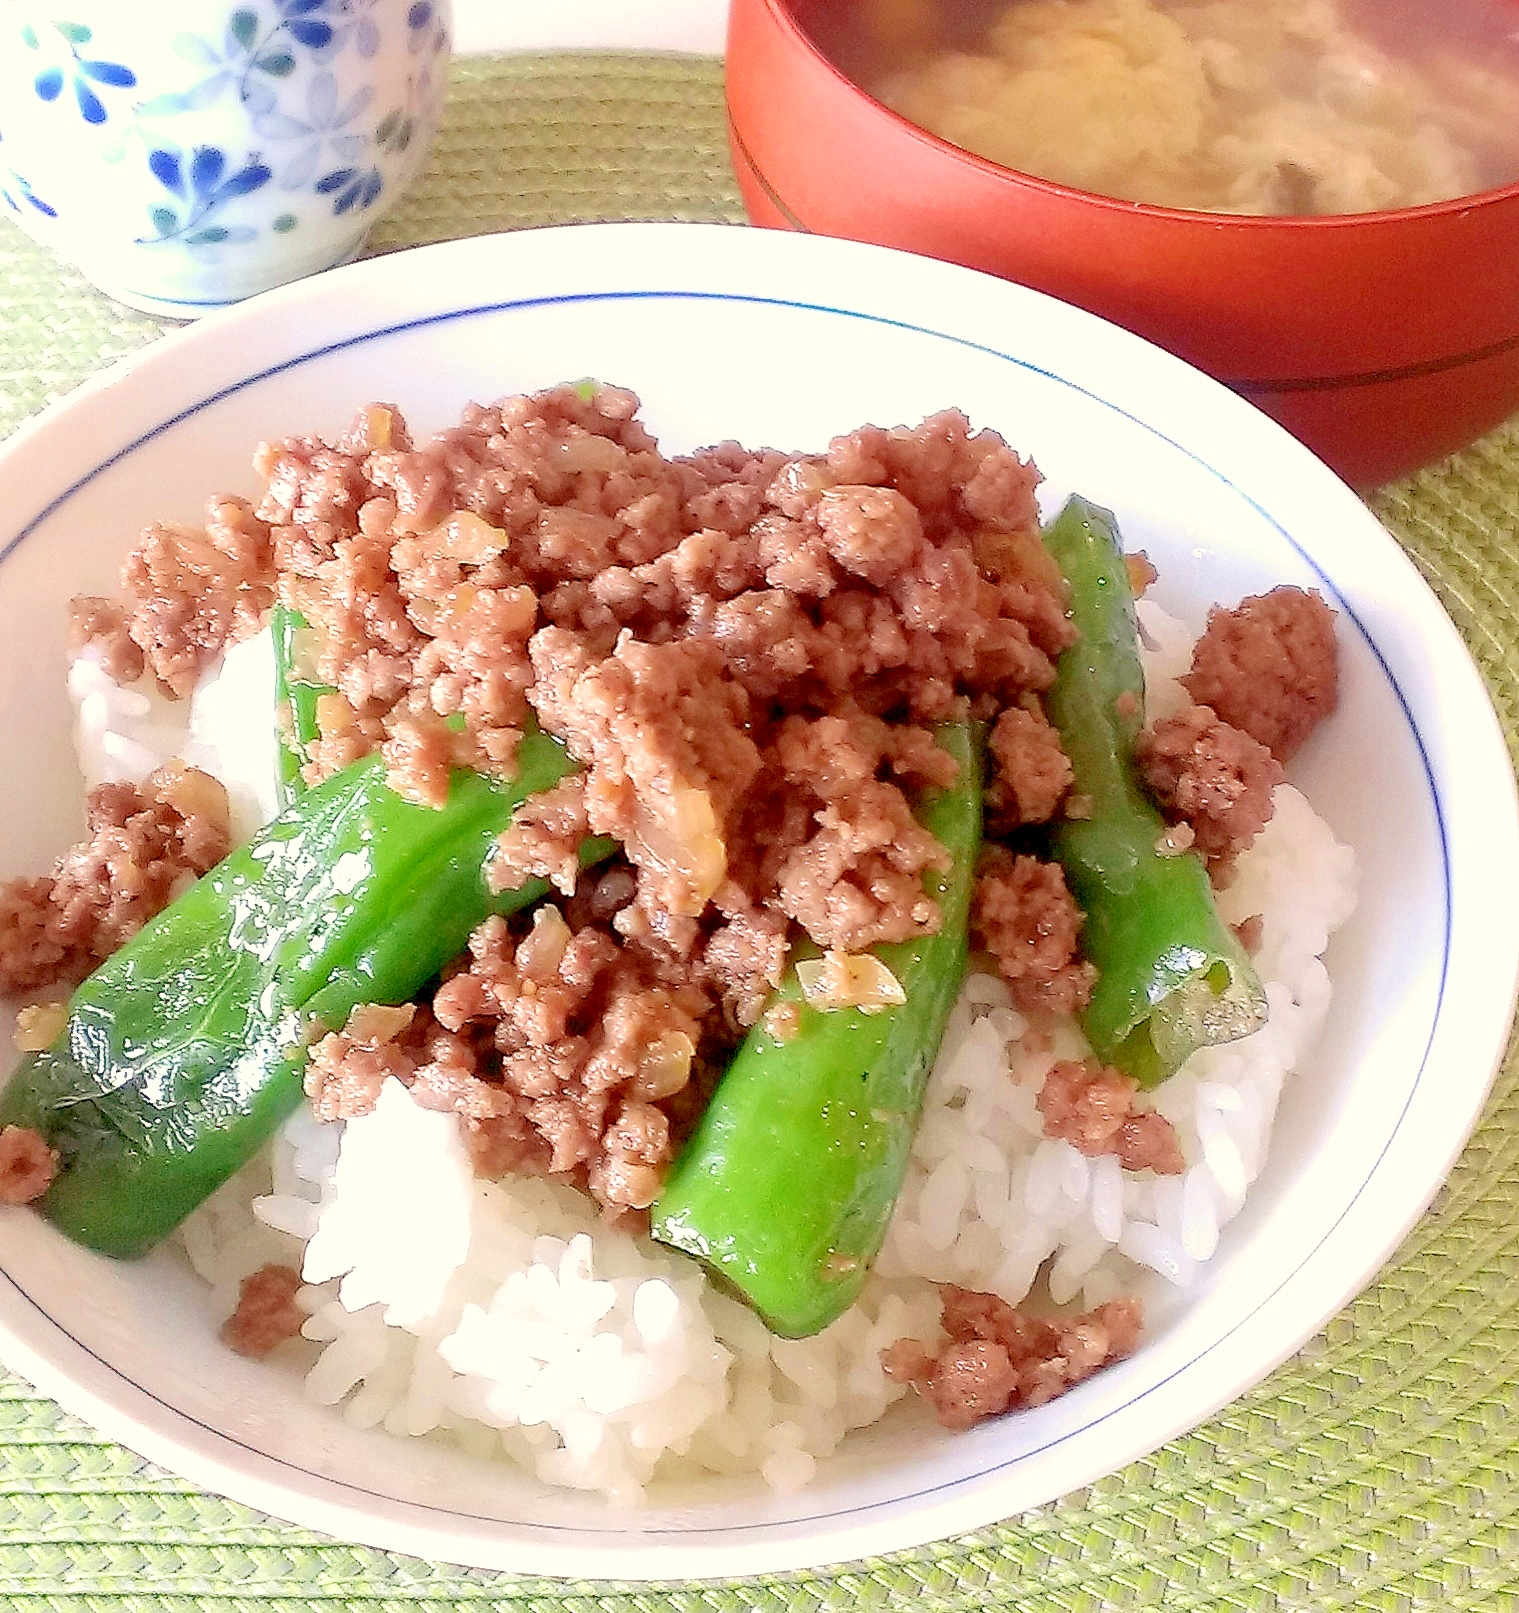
187 153
785 340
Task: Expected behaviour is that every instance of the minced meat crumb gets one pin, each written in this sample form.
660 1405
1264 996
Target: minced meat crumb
192 590
419 760
1213 776
665 742
744 959
557 1047
999 1359
846 859
543 840
1030 772
27 1165
1025 916
1093 1108
102 627
142 844
347 1068
266 1313
1269 667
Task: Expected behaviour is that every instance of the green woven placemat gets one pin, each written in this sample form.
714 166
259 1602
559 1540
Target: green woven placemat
1378 1469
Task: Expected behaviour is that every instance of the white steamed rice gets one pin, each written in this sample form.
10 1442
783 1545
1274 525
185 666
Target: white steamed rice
506 1316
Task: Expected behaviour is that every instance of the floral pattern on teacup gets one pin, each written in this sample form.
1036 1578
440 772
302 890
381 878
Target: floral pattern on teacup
199 189
87 76
284 63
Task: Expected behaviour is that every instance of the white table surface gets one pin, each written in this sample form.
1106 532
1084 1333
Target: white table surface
482 26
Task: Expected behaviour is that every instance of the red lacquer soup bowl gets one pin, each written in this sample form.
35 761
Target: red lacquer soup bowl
1383 340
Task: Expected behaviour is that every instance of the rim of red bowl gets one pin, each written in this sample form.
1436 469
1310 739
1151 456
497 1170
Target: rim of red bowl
784 12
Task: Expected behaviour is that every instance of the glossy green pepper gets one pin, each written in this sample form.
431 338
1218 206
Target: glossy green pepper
1171 976
185 1050
787 1185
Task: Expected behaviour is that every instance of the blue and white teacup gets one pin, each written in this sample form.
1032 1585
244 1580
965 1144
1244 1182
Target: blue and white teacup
187 153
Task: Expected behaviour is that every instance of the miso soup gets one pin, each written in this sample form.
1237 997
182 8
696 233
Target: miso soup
1237 106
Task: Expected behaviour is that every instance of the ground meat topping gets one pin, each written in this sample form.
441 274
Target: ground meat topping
1269 667
1030 771
266 1313
662 737
102 628
422 569
849 584
1214 777
192 590
741 650
27 1165
1024 915
32 954
745 959
142 844
783 1021
1174 840
419 760
347 1068
543 840
845 857
998 1359
561 1049
1093 1108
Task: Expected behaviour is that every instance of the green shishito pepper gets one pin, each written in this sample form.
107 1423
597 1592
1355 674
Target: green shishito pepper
787 1184
1171 976
296 699
185 1050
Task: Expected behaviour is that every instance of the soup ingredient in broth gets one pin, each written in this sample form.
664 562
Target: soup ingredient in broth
787 1187
1236 106
185 1050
